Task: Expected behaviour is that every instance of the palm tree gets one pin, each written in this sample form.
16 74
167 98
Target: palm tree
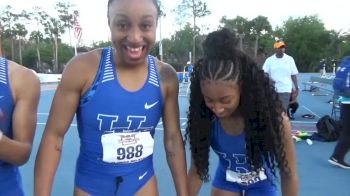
8 18
40 18
67 16
20 32
54 28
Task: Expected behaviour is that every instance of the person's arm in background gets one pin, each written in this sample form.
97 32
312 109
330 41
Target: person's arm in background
63 108
25 87
290 180
295 84
194 181
173 141
294 76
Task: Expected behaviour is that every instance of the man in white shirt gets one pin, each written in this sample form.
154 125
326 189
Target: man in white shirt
282 69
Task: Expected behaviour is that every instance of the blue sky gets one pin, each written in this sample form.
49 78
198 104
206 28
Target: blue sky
94 22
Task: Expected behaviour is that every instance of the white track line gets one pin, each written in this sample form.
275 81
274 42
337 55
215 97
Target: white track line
303 122
311 111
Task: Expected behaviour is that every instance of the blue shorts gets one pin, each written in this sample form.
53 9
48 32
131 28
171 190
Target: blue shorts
10 180
101 184
261 188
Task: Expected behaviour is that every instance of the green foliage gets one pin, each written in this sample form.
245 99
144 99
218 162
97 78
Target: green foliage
6 48
345 49
182 42
30 56
101 44
306 39
66 53
239 24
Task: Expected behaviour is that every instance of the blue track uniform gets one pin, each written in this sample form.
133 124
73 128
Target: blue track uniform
116 128
234 172
10 178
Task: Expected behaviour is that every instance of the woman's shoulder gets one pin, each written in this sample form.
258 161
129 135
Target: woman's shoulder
84 62
19 71
82 68
87 59
166 71
29 84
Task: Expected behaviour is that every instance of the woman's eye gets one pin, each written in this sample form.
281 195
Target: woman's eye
208 100
146 26
121 25
225 101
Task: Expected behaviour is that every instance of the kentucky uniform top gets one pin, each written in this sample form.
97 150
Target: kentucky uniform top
116 126
10 178
234 169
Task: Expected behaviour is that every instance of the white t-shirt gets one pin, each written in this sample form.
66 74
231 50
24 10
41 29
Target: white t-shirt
281 70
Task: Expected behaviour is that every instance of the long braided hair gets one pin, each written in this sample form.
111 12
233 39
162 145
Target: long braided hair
259 105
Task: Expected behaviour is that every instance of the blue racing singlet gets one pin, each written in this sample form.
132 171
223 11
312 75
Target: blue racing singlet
233 165
10 178
116 126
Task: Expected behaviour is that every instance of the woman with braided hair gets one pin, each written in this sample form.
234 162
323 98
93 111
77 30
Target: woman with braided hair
235 109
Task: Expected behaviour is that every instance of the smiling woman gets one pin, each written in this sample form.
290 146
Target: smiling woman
118 94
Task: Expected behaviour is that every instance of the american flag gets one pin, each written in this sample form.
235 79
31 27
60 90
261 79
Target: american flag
78 31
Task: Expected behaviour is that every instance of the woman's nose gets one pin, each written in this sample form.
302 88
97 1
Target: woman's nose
217 108
135 35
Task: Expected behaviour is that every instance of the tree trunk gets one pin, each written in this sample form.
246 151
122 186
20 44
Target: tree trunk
194 34
12 49
53 56
39 59
20 51
70 37
56 54
38 54
241 41
256 45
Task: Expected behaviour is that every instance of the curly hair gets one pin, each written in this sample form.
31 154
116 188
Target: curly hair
259 105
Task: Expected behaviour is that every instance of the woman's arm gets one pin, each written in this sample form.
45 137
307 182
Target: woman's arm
26 93
63 108
173 141
289 181
194 181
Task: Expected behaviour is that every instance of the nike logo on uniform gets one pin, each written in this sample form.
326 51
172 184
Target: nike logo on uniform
150 105
143 175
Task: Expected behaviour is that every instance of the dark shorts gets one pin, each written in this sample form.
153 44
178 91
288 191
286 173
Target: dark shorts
285 99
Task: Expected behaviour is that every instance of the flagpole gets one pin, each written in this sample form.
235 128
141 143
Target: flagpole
77 34
75 48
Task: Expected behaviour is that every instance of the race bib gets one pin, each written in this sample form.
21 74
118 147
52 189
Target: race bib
126 147
245 178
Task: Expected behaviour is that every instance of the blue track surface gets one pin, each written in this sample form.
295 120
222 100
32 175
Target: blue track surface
317 176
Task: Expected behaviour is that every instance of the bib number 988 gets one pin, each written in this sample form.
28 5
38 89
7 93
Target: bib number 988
129 152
